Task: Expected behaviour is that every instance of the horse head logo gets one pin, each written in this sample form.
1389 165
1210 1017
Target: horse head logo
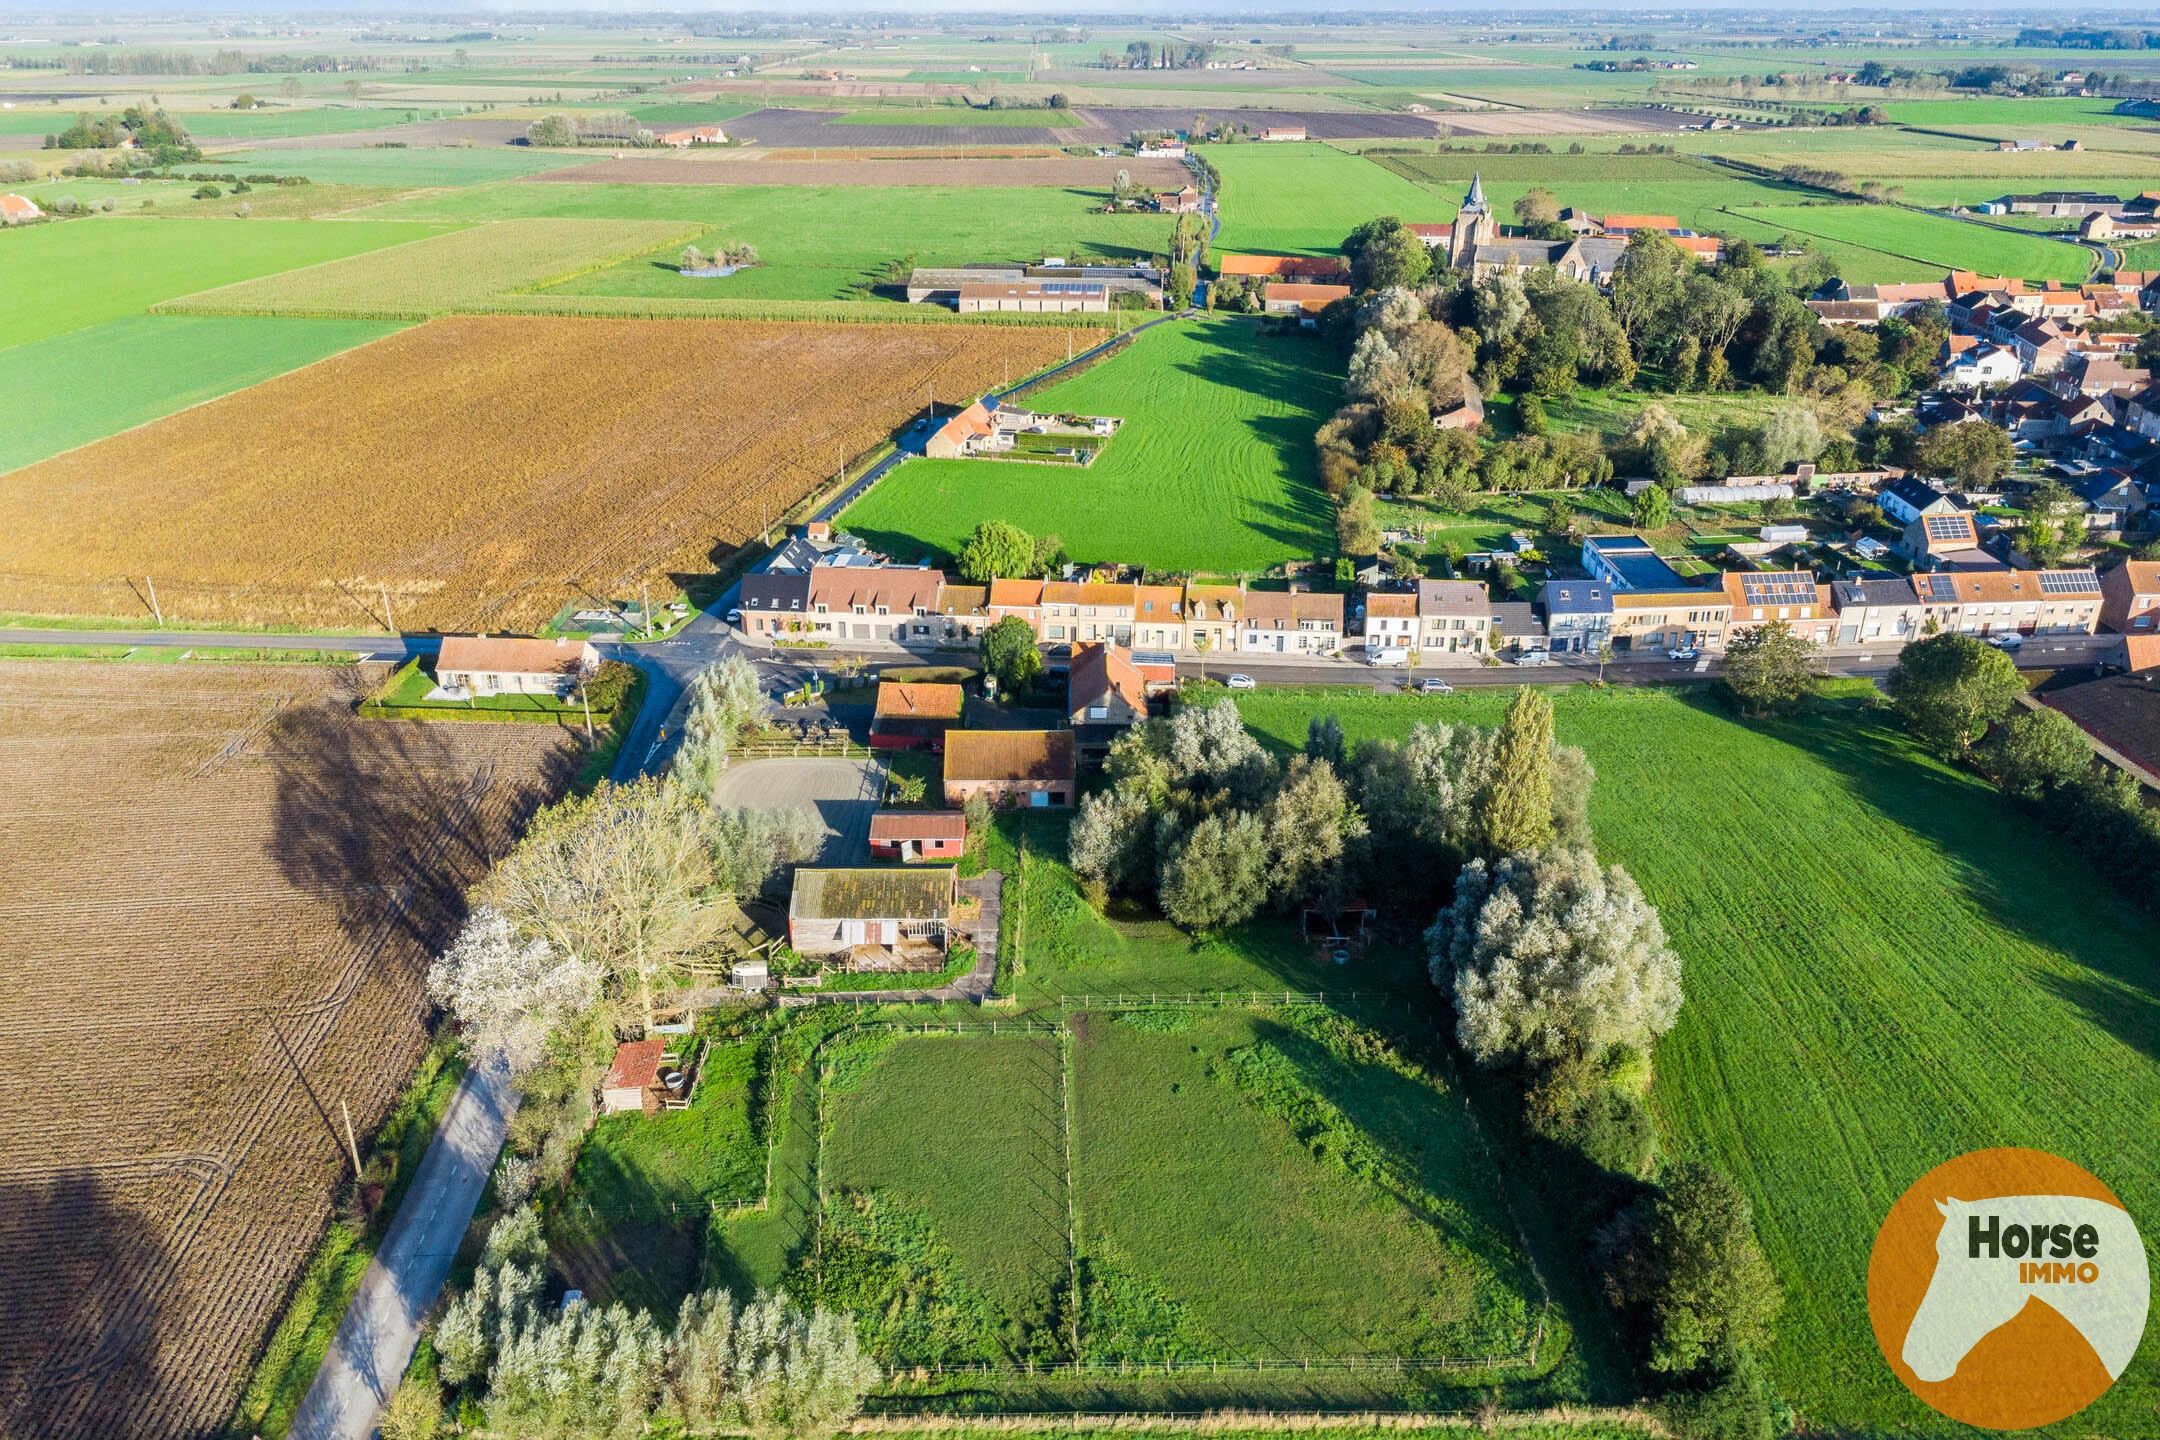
1985 1274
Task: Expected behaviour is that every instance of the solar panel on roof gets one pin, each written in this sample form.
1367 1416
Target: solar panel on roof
2069 582
1948 527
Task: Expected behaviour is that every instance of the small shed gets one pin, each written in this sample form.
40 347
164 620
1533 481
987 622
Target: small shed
750 976
918 835
901 912
628 1084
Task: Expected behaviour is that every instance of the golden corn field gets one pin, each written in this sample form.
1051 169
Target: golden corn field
479 471
190 965
461 270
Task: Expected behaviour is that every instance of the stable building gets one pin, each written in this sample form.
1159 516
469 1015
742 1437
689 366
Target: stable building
913 836
1048 297
873 919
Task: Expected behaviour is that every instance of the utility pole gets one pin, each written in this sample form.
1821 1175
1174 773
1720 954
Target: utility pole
389 619
647 586
586 700
154 608
350 1143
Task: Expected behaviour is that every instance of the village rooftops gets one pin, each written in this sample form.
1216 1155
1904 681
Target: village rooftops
1299 266
919 701
1100 672
1999 585
1009 755
882 590
509 655
872 894
1310 298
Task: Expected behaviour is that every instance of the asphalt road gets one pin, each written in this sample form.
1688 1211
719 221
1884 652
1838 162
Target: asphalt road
375 1340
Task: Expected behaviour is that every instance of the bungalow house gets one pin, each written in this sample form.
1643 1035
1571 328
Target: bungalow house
1908 497
1759 597
1291 622
1104 689
1454 617
632 1078
2025 602
879 919
505 665
1877 612
914 716
916 835
2130 598
18 209
1292 298
694 135
1035 768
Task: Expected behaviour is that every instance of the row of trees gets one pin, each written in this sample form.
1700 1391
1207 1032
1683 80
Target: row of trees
1560 977
734 254
765 1368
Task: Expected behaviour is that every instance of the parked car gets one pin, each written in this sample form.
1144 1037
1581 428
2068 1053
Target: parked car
1682 652
2006 642
1433 685
1533 657
1241 682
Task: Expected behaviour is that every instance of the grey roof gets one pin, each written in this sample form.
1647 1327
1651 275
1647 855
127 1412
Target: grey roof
1452 597
780 590
1515 617
1577 597
1915 492
1853 594
1475 200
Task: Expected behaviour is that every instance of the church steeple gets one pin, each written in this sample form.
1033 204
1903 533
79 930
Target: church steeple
1475 200
1474 225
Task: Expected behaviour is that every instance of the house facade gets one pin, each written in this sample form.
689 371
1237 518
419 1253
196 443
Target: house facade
508 665
2130 598
1292 622
2022 602
1454 617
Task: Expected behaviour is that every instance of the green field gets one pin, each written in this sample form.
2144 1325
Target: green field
1691 191
394 166
1887 964
1211 472
278 122
1927 240
68 390
812 241
69 276
2019 116
1303 199
950 1237
444 273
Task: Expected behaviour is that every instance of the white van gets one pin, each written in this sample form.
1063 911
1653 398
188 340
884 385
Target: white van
1388 655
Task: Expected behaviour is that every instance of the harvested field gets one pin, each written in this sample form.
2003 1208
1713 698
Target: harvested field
1319 124
728 169
824 128
483 469
445 273
251 909
1565 122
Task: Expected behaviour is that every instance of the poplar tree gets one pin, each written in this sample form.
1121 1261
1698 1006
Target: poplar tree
1518 809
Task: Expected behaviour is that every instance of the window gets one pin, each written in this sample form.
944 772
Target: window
1098 712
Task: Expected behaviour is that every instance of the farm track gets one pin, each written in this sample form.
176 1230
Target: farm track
155 1228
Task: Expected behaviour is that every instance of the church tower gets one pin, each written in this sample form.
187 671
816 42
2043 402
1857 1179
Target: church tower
1473 225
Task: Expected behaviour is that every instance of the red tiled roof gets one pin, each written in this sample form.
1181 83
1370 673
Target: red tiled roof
1314 298
897 825
1099 671
637 1065
921 701
509 655
1009 755
1283 265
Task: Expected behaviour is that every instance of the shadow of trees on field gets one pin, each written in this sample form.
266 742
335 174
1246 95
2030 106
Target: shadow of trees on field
79 1308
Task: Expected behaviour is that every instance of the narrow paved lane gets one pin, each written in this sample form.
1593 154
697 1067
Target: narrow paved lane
375 1340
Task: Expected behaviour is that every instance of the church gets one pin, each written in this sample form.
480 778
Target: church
1474 243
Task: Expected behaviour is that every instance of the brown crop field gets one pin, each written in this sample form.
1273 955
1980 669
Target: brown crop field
222 892
481 469
728 169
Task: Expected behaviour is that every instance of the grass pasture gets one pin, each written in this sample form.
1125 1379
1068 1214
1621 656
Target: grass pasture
67 390
1212 470
444 273
1303 199
1931 241
811 239
397 166
1887 965
67 277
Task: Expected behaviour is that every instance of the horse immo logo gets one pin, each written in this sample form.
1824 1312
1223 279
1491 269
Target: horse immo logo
2008 1288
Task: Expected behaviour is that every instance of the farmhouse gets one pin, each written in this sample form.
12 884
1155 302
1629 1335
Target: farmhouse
912 716
15 209
1291 298
1185 201
694 135
969 432
880 919
505 665
916 835
1047 297
2130 597
1035 768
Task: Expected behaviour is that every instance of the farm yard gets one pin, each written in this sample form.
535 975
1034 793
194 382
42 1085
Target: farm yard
1867 992
193 968
1212 470
686 440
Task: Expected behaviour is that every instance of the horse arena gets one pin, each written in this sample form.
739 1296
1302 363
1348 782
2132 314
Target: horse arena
223 889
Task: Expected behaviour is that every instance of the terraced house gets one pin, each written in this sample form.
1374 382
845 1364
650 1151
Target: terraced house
2021 602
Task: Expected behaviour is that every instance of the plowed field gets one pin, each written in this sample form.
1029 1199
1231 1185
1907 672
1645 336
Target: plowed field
482 469
222 891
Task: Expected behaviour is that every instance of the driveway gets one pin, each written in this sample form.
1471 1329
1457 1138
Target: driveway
842 793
